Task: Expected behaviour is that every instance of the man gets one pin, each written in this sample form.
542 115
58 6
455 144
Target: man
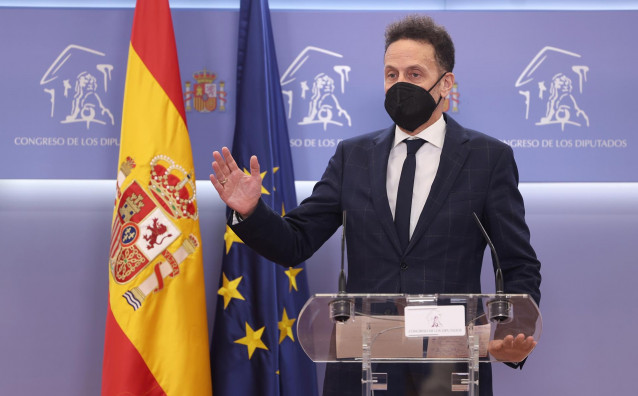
439 248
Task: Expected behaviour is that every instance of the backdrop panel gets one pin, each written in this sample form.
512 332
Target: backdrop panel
556 86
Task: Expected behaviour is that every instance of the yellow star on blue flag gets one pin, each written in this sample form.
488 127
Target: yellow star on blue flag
252 340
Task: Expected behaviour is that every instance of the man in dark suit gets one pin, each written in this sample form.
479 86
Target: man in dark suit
431 245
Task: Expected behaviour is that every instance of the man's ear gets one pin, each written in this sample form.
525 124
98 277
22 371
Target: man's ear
447 82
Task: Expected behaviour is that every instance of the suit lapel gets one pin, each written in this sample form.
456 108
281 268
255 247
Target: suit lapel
453 156
380 153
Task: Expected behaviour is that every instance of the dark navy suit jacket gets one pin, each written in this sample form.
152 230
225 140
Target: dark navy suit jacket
477 173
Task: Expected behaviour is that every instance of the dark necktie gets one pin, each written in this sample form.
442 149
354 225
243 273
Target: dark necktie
404 194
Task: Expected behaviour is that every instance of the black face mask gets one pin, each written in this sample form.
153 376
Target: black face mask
409 105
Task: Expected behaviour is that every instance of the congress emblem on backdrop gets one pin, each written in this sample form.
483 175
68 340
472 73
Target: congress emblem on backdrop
76 82
551 85
312 86
204 96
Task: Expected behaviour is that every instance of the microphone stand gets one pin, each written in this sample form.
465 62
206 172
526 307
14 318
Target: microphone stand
341 309
500 308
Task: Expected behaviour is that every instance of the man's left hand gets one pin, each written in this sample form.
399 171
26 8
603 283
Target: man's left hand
512 349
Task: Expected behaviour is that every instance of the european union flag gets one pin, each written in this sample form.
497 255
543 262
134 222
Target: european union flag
255 348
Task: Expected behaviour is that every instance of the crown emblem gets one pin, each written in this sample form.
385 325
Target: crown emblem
127 166
204 77
173 187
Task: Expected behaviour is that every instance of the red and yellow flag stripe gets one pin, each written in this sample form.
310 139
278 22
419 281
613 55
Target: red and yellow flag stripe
159 346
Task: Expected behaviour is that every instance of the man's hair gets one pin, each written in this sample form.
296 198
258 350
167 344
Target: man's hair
422 28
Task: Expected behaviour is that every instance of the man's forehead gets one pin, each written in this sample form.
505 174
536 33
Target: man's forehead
406 54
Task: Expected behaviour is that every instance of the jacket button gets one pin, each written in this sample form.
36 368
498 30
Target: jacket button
404 266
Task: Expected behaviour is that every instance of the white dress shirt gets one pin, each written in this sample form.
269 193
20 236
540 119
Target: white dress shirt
427 163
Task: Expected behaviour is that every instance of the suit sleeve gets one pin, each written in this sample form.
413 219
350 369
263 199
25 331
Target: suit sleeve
505 223
291 239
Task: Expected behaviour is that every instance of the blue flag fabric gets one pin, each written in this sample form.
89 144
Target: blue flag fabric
255 349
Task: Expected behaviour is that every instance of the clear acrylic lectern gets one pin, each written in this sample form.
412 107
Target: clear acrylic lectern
427 329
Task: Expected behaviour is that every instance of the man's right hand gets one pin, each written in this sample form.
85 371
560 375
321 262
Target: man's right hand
240 191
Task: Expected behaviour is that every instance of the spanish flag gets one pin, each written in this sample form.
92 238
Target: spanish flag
156 338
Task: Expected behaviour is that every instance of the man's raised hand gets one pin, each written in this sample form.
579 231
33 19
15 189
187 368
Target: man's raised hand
240 191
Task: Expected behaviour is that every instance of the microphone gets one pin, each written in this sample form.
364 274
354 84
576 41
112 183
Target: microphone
341 308
500 308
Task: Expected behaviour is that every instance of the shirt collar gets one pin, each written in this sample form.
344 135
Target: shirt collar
434 134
